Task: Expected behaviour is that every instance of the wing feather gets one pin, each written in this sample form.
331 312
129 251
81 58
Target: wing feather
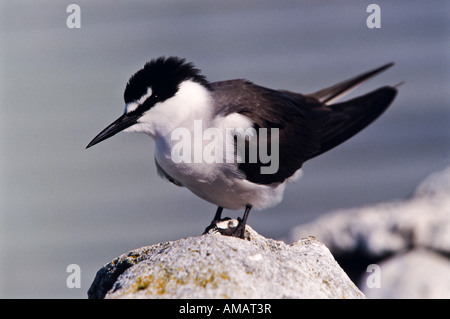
307 124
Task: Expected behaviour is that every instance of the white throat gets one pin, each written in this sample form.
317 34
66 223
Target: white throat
191 102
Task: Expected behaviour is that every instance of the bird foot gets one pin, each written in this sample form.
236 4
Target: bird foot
227 227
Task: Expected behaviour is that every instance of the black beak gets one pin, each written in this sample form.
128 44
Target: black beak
126 120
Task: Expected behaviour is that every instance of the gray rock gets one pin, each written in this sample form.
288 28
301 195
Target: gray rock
217 266
387 228
416 274
391 235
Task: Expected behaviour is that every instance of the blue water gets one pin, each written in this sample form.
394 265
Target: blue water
62 204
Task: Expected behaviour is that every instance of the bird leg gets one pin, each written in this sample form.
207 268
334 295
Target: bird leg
217 218
237 231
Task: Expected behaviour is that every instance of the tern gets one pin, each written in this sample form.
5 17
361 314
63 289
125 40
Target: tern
238 123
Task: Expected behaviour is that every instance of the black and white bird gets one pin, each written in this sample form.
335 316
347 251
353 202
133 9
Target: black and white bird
169 93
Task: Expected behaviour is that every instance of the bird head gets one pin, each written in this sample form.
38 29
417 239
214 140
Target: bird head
149 96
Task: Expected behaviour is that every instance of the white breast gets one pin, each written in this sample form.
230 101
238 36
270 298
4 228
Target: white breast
218 182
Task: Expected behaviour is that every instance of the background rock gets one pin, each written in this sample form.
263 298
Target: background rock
418 274
217 266
406 238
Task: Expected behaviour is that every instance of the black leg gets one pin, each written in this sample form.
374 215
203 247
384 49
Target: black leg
239 231
217 218
218 214
246 213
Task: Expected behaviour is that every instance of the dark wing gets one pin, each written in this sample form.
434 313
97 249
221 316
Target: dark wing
307 126
296 118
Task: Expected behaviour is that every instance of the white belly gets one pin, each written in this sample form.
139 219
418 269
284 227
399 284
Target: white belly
237 193
217 182
221 184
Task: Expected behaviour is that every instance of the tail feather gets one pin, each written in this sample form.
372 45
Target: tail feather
348 118
334 92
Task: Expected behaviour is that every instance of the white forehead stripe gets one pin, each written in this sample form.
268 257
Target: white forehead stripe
145 96
130 107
